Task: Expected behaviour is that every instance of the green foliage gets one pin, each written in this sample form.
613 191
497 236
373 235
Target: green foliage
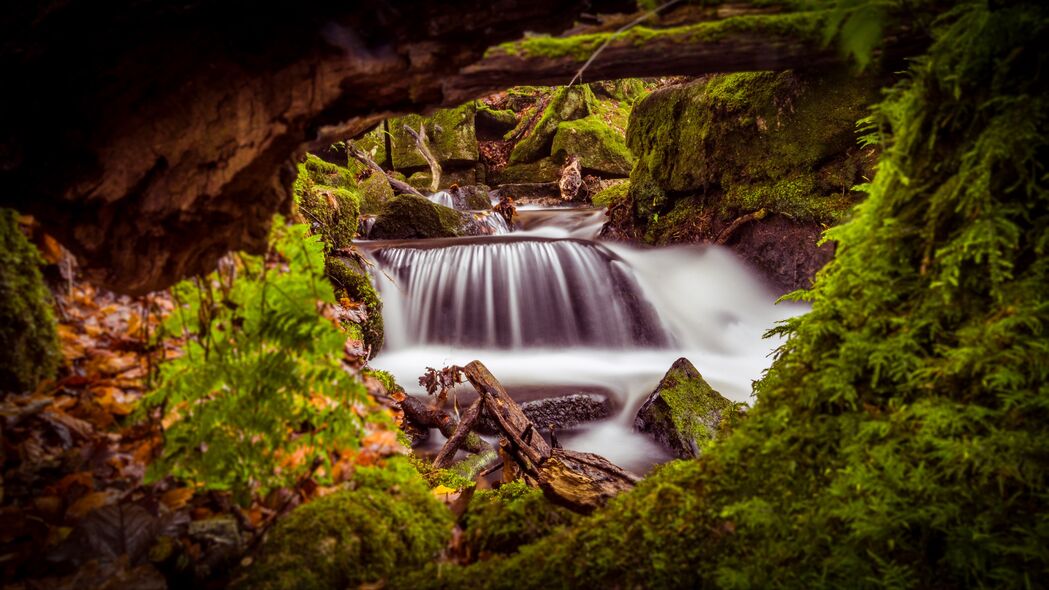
387 524
901 438
28 342
611 195
258 394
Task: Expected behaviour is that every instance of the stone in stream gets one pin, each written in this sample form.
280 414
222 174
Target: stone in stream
563 412
684 411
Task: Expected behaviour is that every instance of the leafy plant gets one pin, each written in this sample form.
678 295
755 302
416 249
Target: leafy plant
259 397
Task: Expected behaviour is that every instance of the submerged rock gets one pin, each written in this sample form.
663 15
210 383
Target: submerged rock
561 412
411 217
684 411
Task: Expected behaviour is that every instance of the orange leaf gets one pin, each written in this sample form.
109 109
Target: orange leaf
176 498
88 503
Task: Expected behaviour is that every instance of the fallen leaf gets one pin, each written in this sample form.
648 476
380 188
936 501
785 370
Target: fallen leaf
92 501
176 498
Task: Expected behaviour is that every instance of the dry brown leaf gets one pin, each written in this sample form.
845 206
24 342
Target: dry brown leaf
90 502
176 498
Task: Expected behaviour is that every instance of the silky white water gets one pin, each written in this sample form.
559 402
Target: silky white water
699 302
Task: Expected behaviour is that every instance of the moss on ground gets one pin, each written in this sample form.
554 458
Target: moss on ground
410 216
29 349
387 524
353 282
502 520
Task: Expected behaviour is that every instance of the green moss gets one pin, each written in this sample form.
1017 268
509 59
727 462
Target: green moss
567 104
685 414
597 146
327 198
28 341
410 216
499 120
434 477
387 524
455 143
543 170
806 26
515 514
353 282
611 195
375 191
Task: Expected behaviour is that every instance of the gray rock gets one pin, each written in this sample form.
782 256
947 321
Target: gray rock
684 412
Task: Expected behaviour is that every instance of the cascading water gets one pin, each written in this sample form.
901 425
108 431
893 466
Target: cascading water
550 310
443 198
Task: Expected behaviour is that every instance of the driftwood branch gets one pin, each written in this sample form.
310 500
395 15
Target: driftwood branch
422 415
462 432
361 156
422 144
578 481
726 234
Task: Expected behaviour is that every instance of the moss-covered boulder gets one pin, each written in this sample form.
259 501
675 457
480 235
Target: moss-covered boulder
328 199
543 170
387 525
684 412
352 281
567 104
455 143
782 141
28 341
375 191
597 146
410 216
495 122
374 143
502 520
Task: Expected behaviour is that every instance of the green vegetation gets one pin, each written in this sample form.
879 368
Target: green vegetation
259 392
567 103
352 281
387 524
452 134
900 439
28 342
611 195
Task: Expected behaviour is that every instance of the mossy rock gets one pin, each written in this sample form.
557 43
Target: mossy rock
388 524
544 170
495 122
374 143
611 195
502 520
29 349
325 173
598 147
454 144
782 141
462 177
567 104
411 217
353 281
684 412
375 191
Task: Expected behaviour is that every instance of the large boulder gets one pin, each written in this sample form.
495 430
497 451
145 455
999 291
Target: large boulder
684 412
411 217
542 170
596 146
28 342
452 134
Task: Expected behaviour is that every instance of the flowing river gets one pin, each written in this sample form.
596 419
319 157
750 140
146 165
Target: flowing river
551 311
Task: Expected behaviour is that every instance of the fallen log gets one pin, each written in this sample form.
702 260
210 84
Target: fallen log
578 481
421 415
462 432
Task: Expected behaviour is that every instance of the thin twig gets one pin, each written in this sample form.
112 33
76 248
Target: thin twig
618 32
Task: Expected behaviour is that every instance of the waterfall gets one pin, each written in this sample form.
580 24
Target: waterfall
443 198
517 294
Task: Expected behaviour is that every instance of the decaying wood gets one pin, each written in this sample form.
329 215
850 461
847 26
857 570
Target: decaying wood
398 186
462 432
421 414
579 481
727 233
422 143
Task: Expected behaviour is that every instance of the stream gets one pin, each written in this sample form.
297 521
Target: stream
551 311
